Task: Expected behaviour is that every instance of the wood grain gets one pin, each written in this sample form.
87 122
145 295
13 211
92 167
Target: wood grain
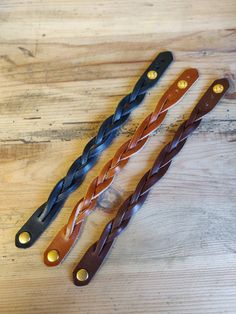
64 65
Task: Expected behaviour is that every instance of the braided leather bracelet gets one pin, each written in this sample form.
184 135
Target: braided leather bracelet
67 236
48 211
93 258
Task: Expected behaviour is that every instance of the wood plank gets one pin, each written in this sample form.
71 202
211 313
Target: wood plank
63 68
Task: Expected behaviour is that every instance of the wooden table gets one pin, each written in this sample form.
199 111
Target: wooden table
64 65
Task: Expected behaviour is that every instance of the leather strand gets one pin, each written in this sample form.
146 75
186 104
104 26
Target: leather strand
95 255
65 239
47 212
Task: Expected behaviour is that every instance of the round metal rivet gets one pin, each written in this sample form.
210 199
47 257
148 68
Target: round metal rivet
53 256
218 88
152 75
24 237
82 274
182 84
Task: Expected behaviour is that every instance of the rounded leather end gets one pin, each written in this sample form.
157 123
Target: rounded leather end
60 247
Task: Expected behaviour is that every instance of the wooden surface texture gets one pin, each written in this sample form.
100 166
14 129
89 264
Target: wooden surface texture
64 65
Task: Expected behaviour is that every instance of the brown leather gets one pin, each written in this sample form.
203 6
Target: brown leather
67 236
95 255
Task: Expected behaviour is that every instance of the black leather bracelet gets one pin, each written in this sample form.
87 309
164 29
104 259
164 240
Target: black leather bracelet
48 211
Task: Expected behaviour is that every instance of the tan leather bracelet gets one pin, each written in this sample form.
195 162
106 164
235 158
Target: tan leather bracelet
67 236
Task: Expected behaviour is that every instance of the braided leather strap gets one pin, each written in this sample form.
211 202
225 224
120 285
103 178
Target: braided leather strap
47 212
95 255
65 239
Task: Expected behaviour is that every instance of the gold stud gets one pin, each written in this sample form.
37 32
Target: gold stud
82 274
182 84
53 256
24 237
218 88
152 75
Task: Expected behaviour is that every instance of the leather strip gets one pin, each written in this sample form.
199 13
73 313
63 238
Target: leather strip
95 255
48 211
67 236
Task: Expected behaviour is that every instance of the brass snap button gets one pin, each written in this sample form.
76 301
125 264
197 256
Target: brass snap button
24 237
218 88
53 256
82 274
182 84
152 75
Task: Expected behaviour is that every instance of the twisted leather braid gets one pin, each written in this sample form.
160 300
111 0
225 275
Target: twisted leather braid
97 252
62 242
39 221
